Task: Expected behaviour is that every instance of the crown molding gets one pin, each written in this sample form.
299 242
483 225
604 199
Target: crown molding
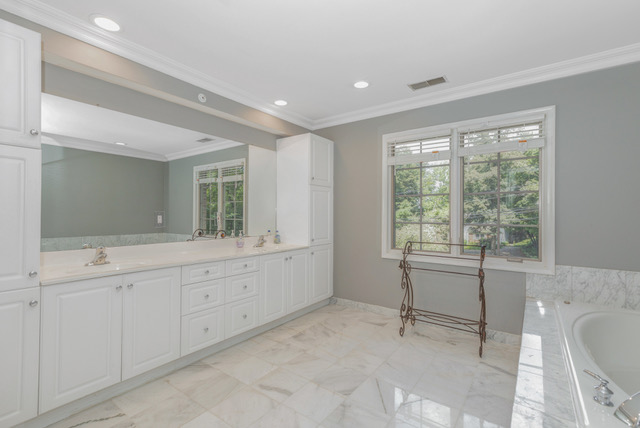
71 26
96 146
607 59
208 148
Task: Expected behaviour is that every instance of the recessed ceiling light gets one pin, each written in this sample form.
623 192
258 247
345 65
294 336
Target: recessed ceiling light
105 23
361 84
121 144
280 102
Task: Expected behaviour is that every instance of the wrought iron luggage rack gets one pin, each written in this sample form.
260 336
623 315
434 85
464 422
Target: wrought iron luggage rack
408 313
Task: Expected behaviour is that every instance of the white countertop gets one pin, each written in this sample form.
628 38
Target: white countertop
64 266
543 393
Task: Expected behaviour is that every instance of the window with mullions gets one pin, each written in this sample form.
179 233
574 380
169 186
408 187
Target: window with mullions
219 197
488 181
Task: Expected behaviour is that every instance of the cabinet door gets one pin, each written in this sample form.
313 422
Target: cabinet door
298 280
81 337
273 295
321 262
151 320
321 216
202 329
19 217
240 316
20 86
20 338
321 161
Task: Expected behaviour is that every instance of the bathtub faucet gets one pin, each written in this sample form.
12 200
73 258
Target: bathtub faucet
603 393
629 411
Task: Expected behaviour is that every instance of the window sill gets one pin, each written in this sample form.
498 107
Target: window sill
489 263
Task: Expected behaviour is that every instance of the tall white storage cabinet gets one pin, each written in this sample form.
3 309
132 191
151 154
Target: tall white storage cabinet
305 205
19 323
20 166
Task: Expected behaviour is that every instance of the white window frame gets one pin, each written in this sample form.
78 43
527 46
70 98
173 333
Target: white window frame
547 191
219 165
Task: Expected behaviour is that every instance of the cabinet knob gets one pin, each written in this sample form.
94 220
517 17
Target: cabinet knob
206 296
34 132
129 286
244 287
33 274
244 316
313 178
33 303
312 239
312 253
246 265
206 272
119 287
206 329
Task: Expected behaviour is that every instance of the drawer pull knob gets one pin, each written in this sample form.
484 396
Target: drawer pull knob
34 132
206 329
244 316
244 287
206 272
206 296
130 286
33 303
246 265
119 287
33 274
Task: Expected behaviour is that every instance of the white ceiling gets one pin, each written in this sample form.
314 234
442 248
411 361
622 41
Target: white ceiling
73 124
311 52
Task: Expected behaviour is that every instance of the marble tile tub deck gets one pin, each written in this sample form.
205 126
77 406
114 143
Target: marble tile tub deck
335 367
543 393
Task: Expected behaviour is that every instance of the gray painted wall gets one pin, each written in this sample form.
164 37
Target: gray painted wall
597 196
179 201
90 193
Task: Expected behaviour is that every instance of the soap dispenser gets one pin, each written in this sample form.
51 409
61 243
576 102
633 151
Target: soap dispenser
276 239
240 240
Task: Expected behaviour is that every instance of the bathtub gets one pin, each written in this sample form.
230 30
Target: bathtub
607 342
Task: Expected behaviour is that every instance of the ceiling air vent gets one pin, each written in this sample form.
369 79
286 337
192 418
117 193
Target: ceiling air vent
427 83
205 140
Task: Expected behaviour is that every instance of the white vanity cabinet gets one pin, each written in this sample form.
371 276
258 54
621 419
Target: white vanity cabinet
19 217
321 166
20 86
321 215
98 332
81 339
151 320
321 267
20 339
284 284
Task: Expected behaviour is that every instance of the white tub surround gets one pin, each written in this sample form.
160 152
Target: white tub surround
543 394
614 288
63 266
601 340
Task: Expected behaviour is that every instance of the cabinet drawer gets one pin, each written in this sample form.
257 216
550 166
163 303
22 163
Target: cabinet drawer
202 329
202 272
241 316
241 286
238 266
201 296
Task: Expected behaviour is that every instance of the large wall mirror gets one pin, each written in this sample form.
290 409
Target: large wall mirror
113 179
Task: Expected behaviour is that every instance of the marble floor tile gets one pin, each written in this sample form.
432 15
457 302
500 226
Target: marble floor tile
206 420
314 402
280 384
244 407
143 397
340 379
342 367
175 411
247 370
283 416
104 415
354 415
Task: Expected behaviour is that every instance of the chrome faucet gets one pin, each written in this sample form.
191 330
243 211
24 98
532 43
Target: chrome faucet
629 411
603 393
100 258
260 242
